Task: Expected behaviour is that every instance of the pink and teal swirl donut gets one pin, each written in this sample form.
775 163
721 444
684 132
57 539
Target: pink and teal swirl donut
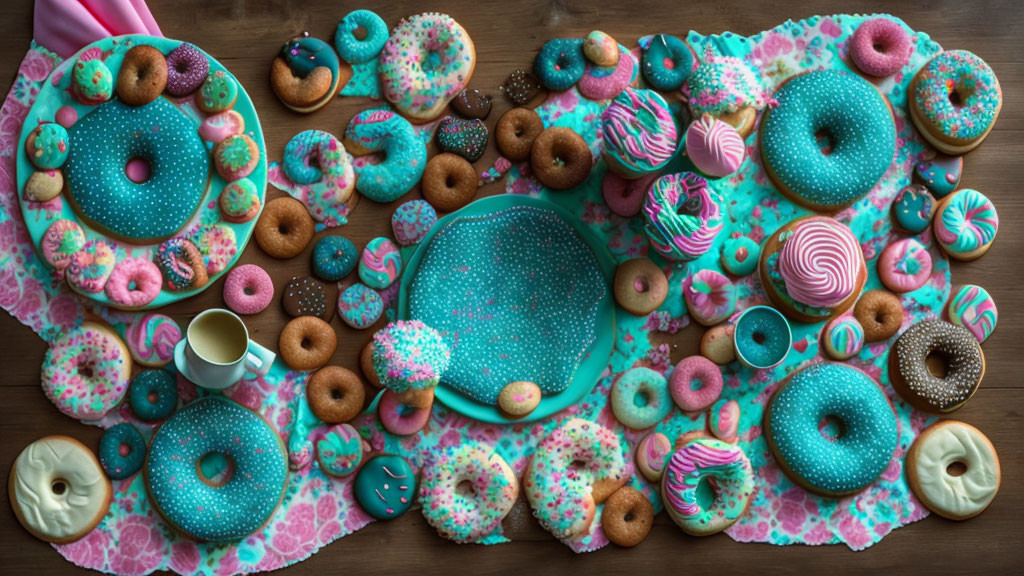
973 308
704 459
151 339
904 266
606 82
60 243
843 337
710 296
381 263
639 133
965 224
681 216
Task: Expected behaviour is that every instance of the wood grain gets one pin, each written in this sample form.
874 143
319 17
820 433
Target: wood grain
245 35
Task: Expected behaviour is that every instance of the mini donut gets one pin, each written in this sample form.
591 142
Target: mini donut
973 308
334 257
762 337
449 182
47 146
151 339
319 163
122 451
62 240
427 60
518 399
939 173
307 343
623 196
575 467
740 255
516 132
667 62
217 244
560 158
606 82
307 74
966 224
681 216
843 337
651 387
912 209
651 454
638 132
411 221
153 395
366 365
240 201
236 157
248 289
398 418
381 263
181 264
724 420
186 70
472 104
58 490
385 486
601 49
960 353
85 373
560 63
707 460
44 185
91 81
217 93
461 515
303 296
409 355
466 138
715 147
335 394
695 383
942 445
339 450
880 313
360 306
217 127
143 75
880 47
904 266
284 229
716 344
868 430
640 286
355 50
954 101
134 283
232 502
627 517
405 154
710 296
521 87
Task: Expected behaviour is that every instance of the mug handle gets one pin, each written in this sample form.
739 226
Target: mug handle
258 359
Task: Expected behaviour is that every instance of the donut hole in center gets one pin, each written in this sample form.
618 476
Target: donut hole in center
337 394
215 468
449 181
248 291
137 169
696 384
831 427
152 397
124 449
360 33
878 47
824 140
85 371
465 489
956 468
937 364
641 399
59 486
759 337
668 63
960 94
306 343
689 207
577 464
641 285
282 229
706 493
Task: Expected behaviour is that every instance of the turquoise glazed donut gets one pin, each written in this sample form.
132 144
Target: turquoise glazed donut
209 502
153 395
357 51
560 63
334 257
667 62
405 154
122 451
640 398
102 143
859 127
385 486
868 431
762 337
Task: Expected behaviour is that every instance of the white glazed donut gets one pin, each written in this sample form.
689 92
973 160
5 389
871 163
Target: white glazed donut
58 489
957 497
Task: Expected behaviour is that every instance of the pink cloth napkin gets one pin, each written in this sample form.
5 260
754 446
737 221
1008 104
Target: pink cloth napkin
65 26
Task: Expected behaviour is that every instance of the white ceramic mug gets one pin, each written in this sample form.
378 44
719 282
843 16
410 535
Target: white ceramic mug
216 350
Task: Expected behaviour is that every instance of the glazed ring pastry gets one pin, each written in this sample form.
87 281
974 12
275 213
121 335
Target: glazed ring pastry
307 343
285 228
627 517
640 286
681 216
335 395
85 373
880 313
58 489
868 431
143 76
954 101
707 459
355 50
449 182
560 158
516 132
944 446
560 63
640 398
710 296
667 62
911 377
965 224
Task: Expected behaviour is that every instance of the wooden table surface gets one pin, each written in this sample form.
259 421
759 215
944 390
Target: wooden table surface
507 33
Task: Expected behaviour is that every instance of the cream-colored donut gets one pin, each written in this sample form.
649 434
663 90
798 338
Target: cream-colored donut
939 446
58 489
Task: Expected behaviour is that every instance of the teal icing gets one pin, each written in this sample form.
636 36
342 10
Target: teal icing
386 486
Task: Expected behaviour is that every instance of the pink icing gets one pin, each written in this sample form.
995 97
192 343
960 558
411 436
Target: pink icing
710 296
219 126
134 282
695 383
152 338
725 422
893 52
639 131
904 266
715 147
820 263
598 84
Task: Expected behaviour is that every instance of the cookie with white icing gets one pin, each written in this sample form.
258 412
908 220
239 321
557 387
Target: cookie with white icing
953 469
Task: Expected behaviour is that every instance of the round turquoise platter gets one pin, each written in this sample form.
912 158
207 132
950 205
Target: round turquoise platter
591 365
56 93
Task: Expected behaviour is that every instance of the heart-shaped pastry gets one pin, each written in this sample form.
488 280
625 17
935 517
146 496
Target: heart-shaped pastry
467 138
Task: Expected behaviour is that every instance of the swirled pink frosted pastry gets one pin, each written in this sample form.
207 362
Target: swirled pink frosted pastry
681 216
715 147
820 263
638 132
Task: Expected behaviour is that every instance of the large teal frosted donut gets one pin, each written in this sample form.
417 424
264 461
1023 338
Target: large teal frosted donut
868 430
102 143
851 114
405 154
226 506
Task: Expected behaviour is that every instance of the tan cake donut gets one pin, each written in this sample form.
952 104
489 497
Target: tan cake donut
640 286
307 343
366 366
627 517
335 395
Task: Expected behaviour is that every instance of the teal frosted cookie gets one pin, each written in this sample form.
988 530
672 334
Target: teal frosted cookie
240 201
339 451
381 263
47 146
941 173
91 82
385 486
334 257
740 255
122 451
412 220
360 306
218 93
912 209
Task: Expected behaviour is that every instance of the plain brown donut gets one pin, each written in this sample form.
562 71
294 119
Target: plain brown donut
307 343
516 131
335 395
366 365
640 286
880 313
627 517
285 228
560 158
143 76
449 182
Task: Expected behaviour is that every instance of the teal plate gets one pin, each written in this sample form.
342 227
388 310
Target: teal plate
595 360
55 93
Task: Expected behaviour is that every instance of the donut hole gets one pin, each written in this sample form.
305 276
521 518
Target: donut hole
759 337
642 398
825 142
706 493
283 229
696 384
959 94
668 63
465 489
449 181
937 363
137 169
124 449
248 291
956 468
641 285
59 486
152 397
879 47
689 207
360 33
306 343
180 66
831 427
215 469
577 464
433 60
85 371
337 393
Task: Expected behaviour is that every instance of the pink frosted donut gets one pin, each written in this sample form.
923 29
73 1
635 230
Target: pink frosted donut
607 82
219 126
695 384
880 47
623 196
248 289
710 296
904 266
134 282
398 418
715 147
